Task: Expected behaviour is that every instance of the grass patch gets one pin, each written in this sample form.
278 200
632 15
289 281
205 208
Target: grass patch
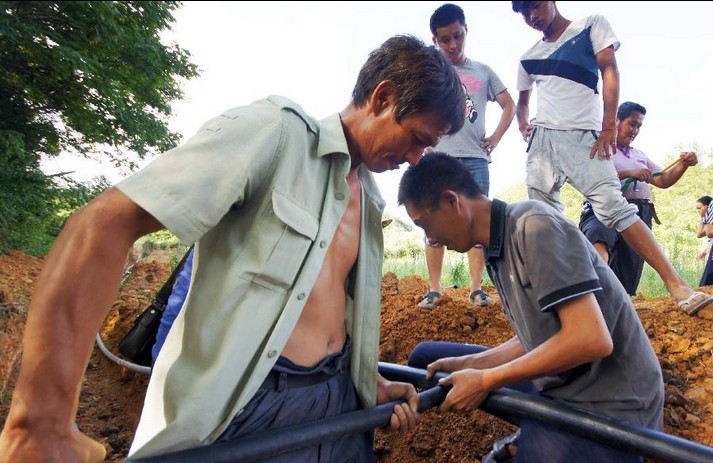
404 256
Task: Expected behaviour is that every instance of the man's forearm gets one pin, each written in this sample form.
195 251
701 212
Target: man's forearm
503 353
75 290
74 293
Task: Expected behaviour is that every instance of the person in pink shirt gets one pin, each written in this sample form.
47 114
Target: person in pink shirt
636 173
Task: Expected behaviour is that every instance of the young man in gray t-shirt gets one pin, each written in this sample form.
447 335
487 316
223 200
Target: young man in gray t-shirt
470 144
577 336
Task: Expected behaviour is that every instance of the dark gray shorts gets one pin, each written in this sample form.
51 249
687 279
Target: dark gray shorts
595 230
626 263
292 395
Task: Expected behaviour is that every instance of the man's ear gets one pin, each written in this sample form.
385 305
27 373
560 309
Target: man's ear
450 200
382 98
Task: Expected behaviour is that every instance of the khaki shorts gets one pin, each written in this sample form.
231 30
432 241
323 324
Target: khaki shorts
558 156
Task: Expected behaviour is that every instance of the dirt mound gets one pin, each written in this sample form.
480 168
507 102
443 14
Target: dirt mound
112 396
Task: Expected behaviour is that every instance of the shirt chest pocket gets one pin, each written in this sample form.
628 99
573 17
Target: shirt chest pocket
281 242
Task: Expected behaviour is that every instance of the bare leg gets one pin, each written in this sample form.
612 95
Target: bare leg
476 263
434 263
642 240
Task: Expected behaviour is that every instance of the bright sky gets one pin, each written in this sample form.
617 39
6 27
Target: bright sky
311 52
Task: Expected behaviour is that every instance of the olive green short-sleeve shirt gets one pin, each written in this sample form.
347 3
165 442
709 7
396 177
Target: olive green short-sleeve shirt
261 189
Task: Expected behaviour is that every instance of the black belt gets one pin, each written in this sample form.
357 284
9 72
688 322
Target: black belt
278 380
649 202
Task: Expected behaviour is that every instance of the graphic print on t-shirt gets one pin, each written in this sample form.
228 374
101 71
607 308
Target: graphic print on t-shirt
573 60
470 85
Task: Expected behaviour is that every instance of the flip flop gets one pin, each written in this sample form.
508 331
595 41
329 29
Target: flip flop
695 302
430 300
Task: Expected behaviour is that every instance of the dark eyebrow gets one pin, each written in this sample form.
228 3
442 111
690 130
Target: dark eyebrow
430 140
424 137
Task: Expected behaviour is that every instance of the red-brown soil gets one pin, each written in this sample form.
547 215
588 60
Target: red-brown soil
112 396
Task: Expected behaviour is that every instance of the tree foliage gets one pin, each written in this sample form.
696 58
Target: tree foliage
91 78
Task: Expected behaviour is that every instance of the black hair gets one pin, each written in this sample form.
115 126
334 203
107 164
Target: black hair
521 7
627 107
445 15
422 184
423 78
706 200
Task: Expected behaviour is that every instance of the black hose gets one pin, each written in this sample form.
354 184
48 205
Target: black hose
630 437
100 342
272 443
615 433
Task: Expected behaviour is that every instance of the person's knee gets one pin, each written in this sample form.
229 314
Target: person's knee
614 211
420 355
547 198
427 352
533 193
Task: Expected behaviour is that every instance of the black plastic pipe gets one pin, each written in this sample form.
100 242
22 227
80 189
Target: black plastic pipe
637 439
283 440
616 433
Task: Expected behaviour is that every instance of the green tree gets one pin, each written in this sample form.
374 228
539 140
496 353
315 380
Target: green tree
90 78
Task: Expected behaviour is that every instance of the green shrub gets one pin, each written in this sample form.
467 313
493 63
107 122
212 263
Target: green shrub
162 239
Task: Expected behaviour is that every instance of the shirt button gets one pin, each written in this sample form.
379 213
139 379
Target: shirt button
300 296
322 244
339 196
272 353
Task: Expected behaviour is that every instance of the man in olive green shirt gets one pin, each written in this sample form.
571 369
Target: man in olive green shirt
287 266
